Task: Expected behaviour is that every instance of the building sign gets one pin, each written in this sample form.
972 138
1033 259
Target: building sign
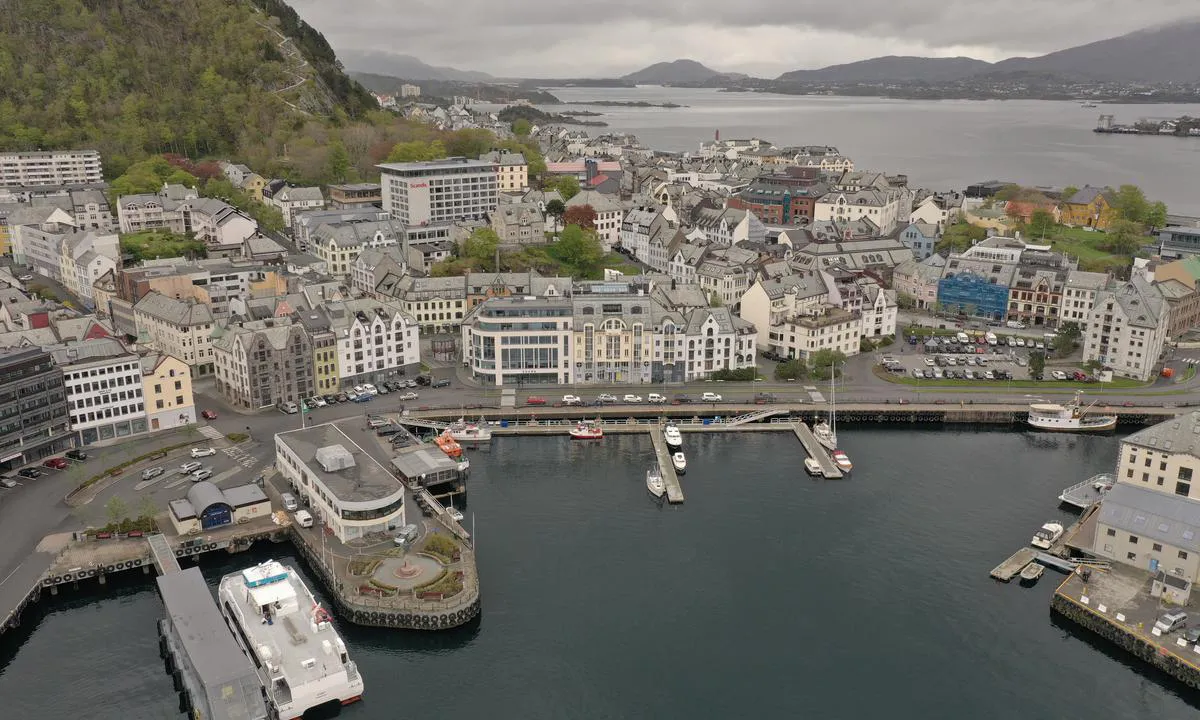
418 185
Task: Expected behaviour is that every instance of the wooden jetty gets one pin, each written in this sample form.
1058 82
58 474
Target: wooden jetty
1016 562
670 478
816 451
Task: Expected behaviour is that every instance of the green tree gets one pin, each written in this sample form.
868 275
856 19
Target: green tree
337 162
149 175
469 142
960 236
1124 237
116 509
904 301
1156 215
146 507
1131 204
1069 191
580 251
1040 222
1067 338
480 247
556 209
821 362
417 151
268 217
791 370
1008 192
714 299
521 127
567 186
1037 364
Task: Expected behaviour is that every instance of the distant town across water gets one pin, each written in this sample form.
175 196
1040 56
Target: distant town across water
946 144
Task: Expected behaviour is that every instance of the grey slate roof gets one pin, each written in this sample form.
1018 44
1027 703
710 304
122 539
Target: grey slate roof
1140 301
177 312
804 285
1167 518
1179 434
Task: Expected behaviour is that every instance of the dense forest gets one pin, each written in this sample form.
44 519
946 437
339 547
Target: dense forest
201 78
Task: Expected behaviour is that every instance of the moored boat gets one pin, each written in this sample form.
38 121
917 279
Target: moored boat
679 462
812 466
1031 572
463 431
1047 535
300 658
1071 417
842 460
673 437
587 430
654 482
448 444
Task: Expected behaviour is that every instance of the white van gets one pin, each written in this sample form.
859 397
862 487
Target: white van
656 398
289 501
303 519
991 338
964 338
1015 325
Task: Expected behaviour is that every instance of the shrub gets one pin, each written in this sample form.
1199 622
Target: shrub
441 547
447 585
741 374
237 437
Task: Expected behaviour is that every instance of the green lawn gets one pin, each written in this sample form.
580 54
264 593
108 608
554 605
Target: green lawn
1085 245
152 244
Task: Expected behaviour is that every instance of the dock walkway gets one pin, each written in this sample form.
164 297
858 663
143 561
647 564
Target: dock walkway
814 449
670 478
162 554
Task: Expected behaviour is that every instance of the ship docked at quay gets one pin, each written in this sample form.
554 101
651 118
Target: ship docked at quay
1071 417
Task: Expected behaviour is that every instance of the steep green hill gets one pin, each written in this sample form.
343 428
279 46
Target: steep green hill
135 77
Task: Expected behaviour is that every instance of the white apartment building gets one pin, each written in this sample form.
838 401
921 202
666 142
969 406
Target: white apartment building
293 200
376 340
1079 296
512 170
1150 519
104 389
163 209
882 207
347 490
730 226
217 223
879 310
439 191
1126 328
640 228
53 167
608 215
182 328
435 303
84 258
340 243
795 316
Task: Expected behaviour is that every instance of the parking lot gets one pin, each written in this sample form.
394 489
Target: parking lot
976 357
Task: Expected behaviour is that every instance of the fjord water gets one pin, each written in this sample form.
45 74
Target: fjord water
767 594
941 144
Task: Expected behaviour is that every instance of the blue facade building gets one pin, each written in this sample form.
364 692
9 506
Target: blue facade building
965 290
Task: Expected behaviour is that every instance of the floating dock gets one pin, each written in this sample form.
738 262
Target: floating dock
1087 493
1013 566
816 451
670 478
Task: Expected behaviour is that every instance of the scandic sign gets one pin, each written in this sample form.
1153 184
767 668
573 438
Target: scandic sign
418 185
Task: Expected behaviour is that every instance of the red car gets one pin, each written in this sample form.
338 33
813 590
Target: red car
535 401
208 415
56 463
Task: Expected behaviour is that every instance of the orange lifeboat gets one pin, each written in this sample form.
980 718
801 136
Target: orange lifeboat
449 445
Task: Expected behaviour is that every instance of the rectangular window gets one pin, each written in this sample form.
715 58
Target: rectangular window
1156 547
1132 557
1182 488
1183 555
1111 532
1185 474
1133 539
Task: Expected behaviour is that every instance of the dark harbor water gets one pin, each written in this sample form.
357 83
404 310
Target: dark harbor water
767 594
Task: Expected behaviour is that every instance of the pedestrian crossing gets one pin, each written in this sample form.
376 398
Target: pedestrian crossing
240 456
211 432
1191 361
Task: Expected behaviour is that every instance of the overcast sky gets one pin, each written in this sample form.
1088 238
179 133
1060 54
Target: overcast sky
534 38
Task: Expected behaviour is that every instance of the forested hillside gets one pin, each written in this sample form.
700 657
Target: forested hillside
199 78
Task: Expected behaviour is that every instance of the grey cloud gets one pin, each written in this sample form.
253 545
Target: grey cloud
615 36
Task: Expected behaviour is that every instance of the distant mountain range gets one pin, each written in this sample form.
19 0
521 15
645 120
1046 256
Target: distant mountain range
1169 54
406 67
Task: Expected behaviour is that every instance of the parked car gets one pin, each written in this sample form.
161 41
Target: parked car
330 398
763 398
918 373
710 397
290 408
423 380
203 452
56 463
304 519
202 474
351 395
1058 375
208 414
25 278
410 383
153 472
535 400
632 399
371 389
29 472
189 467
1172 621
341 397
6 481
606 398
289 501
77 454
682 400
444 382
410 395
376 421
572 400
656 398
384 388
317 401
365 397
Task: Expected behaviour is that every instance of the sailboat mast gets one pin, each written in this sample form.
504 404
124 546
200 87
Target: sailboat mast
832 401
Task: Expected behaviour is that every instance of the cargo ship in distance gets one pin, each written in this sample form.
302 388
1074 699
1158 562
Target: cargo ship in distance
300 659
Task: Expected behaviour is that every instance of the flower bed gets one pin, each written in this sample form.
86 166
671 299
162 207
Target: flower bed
362 568
448 584
442 549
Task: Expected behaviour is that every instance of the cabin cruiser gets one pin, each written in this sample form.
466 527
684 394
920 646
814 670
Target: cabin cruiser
812 466
673 437
464 431
679 462
1046 536
300 659
1071 417
842 460
587 430
654 482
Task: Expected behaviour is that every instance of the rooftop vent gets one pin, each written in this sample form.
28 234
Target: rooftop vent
333 458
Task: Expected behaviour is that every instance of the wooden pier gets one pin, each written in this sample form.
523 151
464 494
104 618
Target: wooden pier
816 451
1016 562
670 478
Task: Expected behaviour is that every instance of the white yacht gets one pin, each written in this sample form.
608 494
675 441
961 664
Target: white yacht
673 437
300 659
1046 536
654 482
679 462
1071 417
469 432
812 466
825 431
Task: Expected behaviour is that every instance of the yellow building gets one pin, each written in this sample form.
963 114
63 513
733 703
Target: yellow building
167 389
253 186
1090 207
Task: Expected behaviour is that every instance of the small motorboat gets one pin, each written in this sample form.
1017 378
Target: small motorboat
654 482
464 431
812 466
448 445
673 437
1047 535
842 460
454 513
587 430
1031 572
679 462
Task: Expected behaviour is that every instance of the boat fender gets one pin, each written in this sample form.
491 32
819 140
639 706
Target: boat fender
48 581
91 573
120 566
109 569
137 563
67 577
57 579
210 546
178 553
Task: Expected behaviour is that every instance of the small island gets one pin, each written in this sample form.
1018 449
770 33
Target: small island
512 113
629 103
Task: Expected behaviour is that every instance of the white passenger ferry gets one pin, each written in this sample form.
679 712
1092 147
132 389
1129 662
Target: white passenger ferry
300 658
